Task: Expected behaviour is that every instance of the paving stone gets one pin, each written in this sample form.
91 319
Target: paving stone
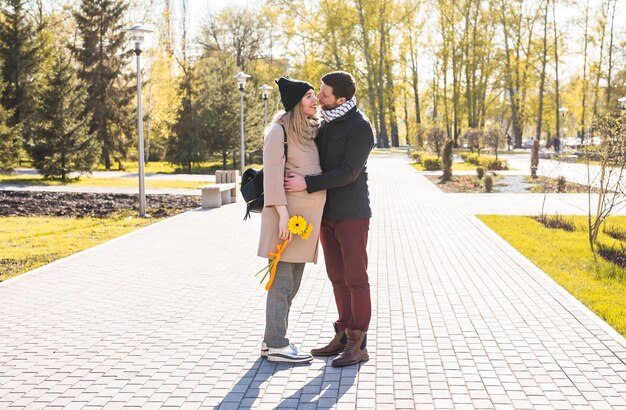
171 316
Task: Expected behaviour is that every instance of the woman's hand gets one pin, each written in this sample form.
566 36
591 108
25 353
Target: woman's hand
283 222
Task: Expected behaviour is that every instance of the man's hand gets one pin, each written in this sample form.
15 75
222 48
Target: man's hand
294 182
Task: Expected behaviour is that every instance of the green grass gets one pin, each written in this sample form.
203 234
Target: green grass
29 242
163 167
98 182
567 258
456 166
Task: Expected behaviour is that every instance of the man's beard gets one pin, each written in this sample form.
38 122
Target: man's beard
327 108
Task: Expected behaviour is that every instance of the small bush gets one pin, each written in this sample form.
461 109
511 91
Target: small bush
472 159
556 222
464 156
614 254
493 163
561 184
488 183
480 172
417 156
615 232
431 163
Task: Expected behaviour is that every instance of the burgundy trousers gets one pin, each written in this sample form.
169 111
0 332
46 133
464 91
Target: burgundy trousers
345 253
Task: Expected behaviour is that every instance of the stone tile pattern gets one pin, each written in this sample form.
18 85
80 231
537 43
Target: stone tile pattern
171 316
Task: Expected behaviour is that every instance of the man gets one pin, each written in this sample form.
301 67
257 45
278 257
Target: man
344 141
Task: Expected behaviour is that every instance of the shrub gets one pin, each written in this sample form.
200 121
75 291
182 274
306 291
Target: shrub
615 232
436 136
560 184
480 172
534 159
464 155
472 159
493 163
488 183
556 222
431 163
417 156
447 161
613 254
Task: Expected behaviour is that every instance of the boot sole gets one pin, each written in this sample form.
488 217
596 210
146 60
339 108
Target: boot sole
285 359
362 359
326 354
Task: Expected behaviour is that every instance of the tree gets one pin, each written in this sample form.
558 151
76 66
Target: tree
436 136
473 137
100 26
610 180
186 146
494 138
61 142
447 161
21 55
9 142
219 116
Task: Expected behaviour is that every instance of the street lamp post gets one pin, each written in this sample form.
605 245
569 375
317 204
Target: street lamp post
266 93
137 34
241 83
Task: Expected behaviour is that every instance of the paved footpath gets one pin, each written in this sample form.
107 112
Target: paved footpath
171 316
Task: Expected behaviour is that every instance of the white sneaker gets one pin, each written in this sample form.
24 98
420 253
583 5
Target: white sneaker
264 349
288 354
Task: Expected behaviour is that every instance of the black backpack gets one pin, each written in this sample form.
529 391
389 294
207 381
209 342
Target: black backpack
252 186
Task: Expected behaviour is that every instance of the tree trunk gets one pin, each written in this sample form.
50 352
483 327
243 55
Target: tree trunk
542 81
583 130
610 51
556 72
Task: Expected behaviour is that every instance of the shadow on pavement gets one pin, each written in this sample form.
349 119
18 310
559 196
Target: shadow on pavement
324 391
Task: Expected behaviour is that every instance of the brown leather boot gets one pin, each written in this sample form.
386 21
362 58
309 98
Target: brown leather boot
334 347
353 353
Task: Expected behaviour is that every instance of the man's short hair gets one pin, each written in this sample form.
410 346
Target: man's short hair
343 84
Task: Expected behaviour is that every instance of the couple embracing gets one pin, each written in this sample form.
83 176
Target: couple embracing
324 179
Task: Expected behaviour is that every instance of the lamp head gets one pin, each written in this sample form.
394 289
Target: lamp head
265 91
138 33
241 79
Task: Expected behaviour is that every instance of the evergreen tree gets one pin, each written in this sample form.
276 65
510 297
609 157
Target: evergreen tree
100 26
219 99
185 146
61 141
9 143
21 54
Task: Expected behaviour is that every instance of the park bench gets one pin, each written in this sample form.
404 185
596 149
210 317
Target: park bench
224 191
570 158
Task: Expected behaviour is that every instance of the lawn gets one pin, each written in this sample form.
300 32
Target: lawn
567 258
456 166
98 182
163 167
29 242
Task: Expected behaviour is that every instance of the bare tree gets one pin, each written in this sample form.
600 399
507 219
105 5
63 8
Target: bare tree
610 179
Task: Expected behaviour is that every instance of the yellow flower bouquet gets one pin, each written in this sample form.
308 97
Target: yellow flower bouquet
298 226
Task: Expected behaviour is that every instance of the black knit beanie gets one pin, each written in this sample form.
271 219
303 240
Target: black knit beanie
292 91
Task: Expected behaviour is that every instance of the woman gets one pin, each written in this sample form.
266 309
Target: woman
300 123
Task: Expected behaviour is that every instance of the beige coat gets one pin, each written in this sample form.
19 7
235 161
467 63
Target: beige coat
304 160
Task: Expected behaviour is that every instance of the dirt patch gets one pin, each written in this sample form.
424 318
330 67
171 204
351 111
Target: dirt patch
72 204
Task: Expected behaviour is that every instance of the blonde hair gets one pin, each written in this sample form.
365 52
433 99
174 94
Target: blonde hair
296 123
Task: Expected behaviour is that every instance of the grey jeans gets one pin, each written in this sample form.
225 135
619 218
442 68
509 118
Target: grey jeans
279 297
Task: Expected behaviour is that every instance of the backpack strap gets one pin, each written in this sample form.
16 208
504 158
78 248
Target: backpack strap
286 147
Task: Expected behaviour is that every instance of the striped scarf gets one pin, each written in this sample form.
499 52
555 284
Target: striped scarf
338 112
